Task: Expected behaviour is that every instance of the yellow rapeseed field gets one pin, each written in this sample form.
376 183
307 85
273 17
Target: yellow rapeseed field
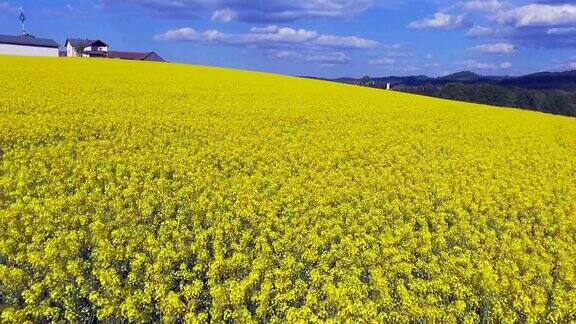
148 192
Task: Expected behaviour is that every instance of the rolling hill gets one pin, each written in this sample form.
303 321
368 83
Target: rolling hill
549 92
148 192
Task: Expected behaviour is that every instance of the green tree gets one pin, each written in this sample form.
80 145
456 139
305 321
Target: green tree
79 49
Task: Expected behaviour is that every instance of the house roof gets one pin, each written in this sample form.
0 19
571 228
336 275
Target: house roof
95 53
139 56
28 40
85 42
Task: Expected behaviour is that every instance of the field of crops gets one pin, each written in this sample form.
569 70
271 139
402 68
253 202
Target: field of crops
161 192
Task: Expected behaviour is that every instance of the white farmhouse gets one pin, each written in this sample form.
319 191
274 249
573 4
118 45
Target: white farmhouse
97 48
88 47
27 45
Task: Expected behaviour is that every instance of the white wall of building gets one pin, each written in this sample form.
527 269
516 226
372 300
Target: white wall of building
71 51
22 50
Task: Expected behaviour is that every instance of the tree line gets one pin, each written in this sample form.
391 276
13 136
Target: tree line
553 101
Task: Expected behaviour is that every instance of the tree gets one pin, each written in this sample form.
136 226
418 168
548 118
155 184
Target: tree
79 49
366 80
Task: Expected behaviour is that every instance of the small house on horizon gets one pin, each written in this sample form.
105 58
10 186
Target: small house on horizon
85 47
76 47
28 45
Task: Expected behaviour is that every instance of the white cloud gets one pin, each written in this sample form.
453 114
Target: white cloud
479 31
333 57
475 65
498 48
186 33
530 23
280 42
540 15
275 35
439 20
269 36
482 5
314 56
382 61
282 35
345 42
225 15
258 11
561 31
265 30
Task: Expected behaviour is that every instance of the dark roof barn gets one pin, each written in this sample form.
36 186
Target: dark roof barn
28 40
137 56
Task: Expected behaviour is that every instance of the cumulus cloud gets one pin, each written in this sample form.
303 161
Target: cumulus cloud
279 35
498 48
258 11
269 36
548 25
440 20
285 43
527 23
186 33
540 15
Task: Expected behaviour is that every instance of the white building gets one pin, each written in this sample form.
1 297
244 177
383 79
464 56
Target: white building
27 45
96 48
89 47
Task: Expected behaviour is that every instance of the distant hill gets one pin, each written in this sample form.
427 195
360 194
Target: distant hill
464 76
545 80
552 92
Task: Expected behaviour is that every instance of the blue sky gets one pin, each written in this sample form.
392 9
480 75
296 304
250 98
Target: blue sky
328 38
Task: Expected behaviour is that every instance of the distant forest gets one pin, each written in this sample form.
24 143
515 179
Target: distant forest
549 92
555 101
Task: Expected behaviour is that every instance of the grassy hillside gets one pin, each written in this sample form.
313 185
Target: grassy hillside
158 192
